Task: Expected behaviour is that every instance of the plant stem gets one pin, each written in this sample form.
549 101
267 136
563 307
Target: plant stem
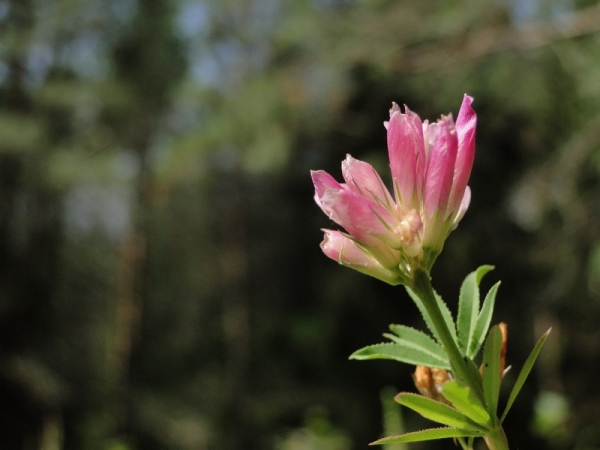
496 439
423 288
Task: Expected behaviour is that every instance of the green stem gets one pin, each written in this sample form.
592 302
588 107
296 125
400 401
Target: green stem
423 288
496 439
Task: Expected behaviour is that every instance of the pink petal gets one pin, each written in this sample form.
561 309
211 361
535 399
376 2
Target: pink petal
345 251
466 123
341 248
407 154
322 182
466 120
361 217
440 169
362 178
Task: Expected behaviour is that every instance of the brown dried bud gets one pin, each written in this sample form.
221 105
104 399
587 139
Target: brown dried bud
430 381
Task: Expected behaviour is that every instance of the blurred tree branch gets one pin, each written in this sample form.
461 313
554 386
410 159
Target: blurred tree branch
478 43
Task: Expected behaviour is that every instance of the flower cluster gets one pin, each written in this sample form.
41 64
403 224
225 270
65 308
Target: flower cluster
388 234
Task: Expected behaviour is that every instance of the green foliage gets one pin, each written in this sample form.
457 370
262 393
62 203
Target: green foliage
524 373
491 370
445 313
414 347
483 321
437 411
407 336
428 435
468 310
416 352
466 402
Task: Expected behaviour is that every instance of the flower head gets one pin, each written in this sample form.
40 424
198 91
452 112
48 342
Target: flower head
389 233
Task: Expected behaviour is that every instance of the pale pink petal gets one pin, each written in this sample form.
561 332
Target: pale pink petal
342 249
362 178
440 170
345 251
462 209
322 182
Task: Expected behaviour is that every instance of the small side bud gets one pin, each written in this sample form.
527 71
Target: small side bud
430 382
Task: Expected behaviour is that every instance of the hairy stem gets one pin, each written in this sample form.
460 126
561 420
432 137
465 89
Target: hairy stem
423 288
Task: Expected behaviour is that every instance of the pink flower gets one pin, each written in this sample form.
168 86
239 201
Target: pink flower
430 166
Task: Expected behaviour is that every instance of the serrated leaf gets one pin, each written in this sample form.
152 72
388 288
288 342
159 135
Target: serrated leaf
436 411
443 308
405 335
524 373
468 307
491 370
447 315
398 352
441 362
483 321
427 435
466 402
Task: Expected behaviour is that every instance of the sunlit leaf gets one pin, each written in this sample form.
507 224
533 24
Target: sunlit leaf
436 411
428 435
406 353
483 321
466 402
468 307
412 337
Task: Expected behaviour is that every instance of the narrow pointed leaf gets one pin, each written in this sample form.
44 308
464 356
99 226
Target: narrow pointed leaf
436 411
404 353
428 435
468 307
491 370
483 321
475 375
404 335
443 308
524 373
463 399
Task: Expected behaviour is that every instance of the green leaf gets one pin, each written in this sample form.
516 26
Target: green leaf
491 370
468 307
417 339
443 308
463 399
475 374
436 411
428 435
524 373
483 321
409 354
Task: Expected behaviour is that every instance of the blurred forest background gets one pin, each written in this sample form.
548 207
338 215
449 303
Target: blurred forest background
161 282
